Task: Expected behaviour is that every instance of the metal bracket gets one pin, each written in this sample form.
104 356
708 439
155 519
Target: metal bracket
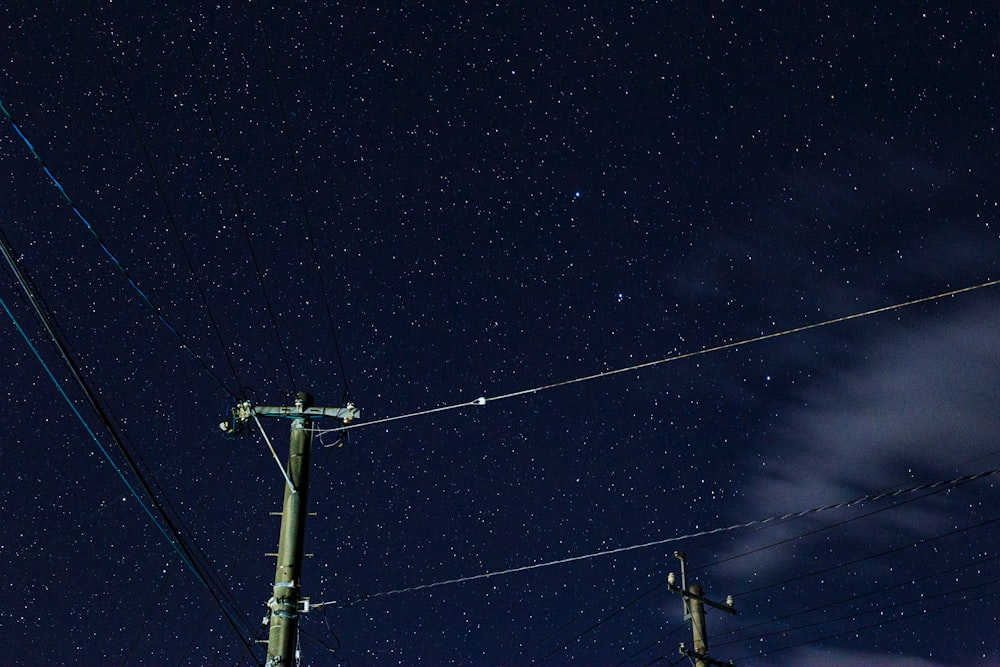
345 414
243 412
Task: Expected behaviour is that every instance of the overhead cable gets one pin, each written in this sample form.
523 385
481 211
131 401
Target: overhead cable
483 400
826 606
962 600
241 214
107 251
873 497
162 520
307 222
599 623
167 208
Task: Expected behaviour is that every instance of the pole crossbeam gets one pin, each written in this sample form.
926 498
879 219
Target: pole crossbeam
347 414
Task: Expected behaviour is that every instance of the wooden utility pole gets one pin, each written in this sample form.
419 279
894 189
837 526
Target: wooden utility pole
286 601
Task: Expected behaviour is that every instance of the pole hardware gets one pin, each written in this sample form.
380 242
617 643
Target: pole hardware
286 602
694 611
238 421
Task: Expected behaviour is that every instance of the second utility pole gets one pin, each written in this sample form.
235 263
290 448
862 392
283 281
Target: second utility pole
694 609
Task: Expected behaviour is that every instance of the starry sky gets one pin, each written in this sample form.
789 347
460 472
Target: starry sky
414 205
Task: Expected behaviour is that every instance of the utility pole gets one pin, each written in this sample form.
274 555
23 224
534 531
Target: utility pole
286 602
694 610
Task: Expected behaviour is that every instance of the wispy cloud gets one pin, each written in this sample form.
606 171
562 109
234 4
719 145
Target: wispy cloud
911 404
812 657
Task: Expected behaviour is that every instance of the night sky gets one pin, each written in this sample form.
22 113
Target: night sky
412 207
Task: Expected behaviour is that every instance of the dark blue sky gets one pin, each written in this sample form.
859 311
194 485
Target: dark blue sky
500 198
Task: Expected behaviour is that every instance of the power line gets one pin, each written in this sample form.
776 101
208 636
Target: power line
262 24
645 648
202 506
163 199
76 413
165 524
482 400
599 623
107 251
240 211
826 606
174 539
934 488
663 657
856 561
882 590
882 495
902 617
787 581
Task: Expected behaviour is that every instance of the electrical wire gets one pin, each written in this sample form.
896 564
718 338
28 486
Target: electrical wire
880 554
332 649
206 572
93 436
240 211
173 538
114 259
874 497
881 590
202 506
483 400
599 623
937 489
629 659
592 627
307 223
158 186
633 368
878 610
826 606
162 520
288 480
903 617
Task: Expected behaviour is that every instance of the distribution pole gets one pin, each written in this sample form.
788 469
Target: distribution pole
698 625
286 602
694 609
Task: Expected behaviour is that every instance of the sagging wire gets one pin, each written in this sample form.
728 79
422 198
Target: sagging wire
483 400
293 159
934 487
114 259
164 523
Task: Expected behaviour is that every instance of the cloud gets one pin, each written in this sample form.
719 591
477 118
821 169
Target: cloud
912 404
812 657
